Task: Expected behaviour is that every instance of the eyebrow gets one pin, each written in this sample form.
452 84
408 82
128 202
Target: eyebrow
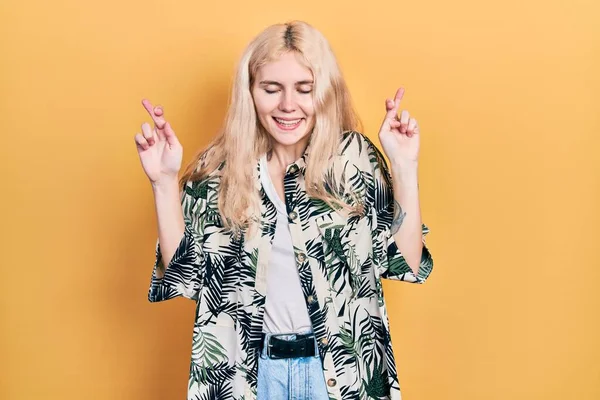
305 82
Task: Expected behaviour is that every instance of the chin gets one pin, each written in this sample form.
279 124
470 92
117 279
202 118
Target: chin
289 137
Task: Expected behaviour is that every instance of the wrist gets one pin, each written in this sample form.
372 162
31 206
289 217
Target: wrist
165 185
404 169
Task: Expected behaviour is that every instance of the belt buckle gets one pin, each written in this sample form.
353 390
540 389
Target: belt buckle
269 345
276 335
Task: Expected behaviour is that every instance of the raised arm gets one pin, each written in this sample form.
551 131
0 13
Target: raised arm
178 264
160 155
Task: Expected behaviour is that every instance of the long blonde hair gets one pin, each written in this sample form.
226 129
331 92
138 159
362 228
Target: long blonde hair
243 139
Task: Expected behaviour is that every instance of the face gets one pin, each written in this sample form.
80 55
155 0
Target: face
282 93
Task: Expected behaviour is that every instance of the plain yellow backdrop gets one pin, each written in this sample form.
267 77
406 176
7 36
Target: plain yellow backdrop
506 93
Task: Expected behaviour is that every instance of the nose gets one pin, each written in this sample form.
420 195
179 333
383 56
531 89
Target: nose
287 103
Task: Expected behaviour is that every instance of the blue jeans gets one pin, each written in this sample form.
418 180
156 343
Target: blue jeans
298 378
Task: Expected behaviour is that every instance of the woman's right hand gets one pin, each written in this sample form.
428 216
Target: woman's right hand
159 149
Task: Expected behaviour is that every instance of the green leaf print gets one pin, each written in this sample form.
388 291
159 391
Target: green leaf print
376 383
398 266
207 351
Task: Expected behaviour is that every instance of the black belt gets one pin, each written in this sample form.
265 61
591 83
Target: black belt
301 346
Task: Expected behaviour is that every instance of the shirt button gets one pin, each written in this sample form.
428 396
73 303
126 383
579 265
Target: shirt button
293 169
331 382
293 215
311 299
324 341
301 257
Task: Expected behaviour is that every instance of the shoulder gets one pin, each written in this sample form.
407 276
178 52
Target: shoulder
362 168
358 150
201 178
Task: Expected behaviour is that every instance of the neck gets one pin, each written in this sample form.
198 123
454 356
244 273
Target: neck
282 156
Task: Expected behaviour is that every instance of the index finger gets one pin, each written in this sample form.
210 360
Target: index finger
157 116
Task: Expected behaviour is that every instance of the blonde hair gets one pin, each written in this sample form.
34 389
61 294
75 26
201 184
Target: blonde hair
242 137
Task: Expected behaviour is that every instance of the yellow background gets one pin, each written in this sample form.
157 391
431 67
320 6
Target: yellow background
506 93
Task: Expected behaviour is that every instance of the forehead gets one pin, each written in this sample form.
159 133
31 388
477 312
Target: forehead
285 69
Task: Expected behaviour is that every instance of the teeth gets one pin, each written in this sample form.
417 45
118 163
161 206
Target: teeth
288 123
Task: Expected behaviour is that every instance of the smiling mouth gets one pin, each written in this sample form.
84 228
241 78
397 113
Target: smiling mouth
288 123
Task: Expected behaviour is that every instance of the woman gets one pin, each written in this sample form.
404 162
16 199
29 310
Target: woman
284 227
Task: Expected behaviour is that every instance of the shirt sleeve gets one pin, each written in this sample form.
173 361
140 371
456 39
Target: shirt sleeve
388 259
184 274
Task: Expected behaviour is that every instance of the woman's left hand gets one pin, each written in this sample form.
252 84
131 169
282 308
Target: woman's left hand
399 135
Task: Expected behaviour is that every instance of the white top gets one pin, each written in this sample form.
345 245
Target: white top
285 307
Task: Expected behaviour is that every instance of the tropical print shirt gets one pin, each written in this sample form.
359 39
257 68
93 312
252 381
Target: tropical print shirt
341 259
